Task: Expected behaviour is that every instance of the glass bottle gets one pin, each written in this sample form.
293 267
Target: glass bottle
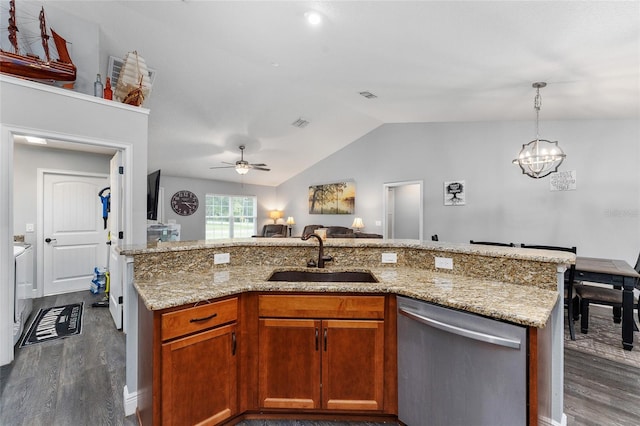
98 89
108 93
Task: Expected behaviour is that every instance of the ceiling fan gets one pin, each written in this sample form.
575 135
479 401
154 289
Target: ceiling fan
242 166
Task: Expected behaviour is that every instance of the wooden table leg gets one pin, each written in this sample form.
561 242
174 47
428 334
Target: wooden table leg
627 313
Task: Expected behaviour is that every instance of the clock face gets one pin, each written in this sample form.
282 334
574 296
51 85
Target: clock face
185 203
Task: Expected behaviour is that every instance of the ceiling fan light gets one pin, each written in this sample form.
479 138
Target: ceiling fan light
242 169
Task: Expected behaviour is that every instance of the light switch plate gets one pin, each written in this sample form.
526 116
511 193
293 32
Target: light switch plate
389 257
444 262
219 258
30 227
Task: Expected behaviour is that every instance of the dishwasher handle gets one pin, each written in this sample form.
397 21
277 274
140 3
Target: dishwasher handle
483 337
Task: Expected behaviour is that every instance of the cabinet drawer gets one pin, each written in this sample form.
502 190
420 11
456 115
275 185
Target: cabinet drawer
318 306
201 317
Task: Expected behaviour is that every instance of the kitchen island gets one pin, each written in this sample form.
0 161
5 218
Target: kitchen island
519 286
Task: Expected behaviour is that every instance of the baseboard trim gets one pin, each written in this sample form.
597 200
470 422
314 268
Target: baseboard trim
546 421
130 401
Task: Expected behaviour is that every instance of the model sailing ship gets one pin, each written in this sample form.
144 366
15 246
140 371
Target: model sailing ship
32 67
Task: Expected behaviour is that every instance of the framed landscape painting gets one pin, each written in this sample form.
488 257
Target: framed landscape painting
332 198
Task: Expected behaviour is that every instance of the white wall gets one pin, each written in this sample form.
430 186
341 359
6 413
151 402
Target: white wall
193 227
26 161
601 218
40 110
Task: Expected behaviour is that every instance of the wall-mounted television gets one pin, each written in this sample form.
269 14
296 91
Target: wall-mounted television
153 189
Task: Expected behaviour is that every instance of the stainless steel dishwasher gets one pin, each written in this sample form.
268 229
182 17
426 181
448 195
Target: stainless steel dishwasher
459 369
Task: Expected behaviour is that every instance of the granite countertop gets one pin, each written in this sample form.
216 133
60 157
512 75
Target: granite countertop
520 304
549 256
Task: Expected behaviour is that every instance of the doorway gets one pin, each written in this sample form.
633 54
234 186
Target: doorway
72 230
403 210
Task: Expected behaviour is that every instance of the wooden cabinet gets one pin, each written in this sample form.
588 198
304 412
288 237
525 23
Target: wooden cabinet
329 356
193 376
352 364
199 378
289 361
321 352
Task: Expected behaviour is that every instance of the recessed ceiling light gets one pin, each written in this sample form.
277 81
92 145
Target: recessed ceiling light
33 139
313 18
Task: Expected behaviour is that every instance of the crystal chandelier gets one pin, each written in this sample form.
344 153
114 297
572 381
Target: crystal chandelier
540 157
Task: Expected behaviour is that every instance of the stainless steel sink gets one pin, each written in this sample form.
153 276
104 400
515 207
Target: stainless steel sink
321 276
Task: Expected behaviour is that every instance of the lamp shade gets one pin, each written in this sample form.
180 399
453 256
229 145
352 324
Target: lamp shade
357 223
275 215
290 221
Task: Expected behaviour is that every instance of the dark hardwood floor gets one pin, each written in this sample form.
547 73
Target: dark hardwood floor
79 380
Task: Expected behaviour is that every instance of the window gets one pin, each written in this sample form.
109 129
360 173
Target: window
229 216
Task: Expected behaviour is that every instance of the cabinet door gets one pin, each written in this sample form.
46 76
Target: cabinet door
199 378
352 364
289 363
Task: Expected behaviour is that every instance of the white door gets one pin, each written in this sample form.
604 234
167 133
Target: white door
74 234
115 226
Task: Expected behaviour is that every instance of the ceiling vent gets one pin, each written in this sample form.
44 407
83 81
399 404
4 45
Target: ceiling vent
368 95
115 66
300 122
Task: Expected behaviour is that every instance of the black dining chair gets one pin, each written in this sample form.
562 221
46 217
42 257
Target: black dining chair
604 296
492 243
570 300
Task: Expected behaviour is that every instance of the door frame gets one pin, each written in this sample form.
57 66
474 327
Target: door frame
386 209
39 291
7 133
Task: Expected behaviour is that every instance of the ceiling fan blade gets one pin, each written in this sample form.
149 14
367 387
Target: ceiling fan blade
226 162
261 168
222 167
258 164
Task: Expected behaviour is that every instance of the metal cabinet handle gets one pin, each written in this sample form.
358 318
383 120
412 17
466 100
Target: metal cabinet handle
203 319
325 339
317 341
233 343
483 337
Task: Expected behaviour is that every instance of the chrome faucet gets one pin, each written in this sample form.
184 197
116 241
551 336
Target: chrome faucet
321 257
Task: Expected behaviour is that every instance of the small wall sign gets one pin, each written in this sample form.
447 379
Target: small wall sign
563 181
454 193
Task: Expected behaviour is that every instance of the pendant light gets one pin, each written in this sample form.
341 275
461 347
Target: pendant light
540 157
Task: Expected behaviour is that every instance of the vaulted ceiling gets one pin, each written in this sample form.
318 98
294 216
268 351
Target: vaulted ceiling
240 73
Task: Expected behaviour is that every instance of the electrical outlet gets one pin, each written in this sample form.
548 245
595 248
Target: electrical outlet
219 258
444 262
389 257
378 223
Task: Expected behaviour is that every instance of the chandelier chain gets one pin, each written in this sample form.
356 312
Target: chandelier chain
537 103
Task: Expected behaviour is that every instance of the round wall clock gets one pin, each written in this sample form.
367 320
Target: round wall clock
185 203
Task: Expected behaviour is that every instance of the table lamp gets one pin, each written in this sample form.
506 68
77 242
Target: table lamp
357 224
290 223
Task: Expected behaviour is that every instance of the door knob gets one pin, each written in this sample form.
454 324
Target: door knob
49 240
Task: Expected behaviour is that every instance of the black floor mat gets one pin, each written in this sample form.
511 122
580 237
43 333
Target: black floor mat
54 323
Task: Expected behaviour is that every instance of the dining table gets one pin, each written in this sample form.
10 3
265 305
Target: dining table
617 273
